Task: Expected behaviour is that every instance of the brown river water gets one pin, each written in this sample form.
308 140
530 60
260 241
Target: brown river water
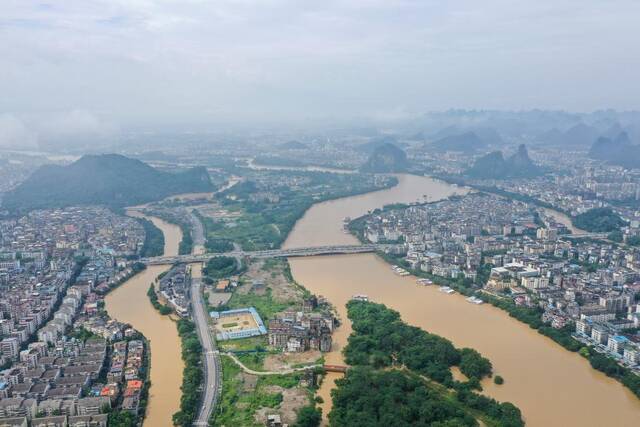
129 303
552 386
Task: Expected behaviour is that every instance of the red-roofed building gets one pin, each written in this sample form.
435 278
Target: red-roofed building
135 384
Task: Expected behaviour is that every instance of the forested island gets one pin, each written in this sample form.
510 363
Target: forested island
401 375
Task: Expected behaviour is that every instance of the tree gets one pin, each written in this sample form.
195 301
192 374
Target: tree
308 416
473 365
599 220
365 397
616 236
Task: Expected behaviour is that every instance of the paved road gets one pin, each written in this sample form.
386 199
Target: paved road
266 373
212 372
275 253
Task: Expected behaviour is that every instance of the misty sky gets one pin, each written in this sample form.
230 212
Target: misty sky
91 67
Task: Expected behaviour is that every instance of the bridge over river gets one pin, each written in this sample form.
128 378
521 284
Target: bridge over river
274 253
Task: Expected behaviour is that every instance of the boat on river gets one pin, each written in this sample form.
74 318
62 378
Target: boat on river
400 271
475 300
424 282
446 290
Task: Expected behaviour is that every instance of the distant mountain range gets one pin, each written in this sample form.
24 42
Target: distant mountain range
488 135
536 127
468 142
495 166
386 158
579 135
617 150
375 143
108 179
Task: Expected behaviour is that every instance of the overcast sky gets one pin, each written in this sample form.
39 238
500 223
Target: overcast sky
73 66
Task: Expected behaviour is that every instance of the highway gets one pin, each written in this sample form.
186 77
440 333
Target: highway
212 372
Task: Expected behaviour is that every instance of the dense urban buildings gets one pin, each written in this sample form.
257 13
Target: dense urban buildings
64 359
515 250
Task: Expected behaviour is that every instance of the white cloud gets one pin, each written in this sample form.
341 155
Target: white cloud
75 124
14 133
175 60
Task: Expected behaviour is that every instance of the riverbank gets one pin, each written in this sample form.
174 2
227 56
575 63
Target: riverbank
528 315
192 374
128 303
264 211
531 363
531 317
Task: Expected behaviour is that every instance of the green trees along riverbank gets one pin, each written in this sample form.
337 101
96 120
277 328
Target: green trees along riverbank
153 239
532 316
599 220
405 371
192 375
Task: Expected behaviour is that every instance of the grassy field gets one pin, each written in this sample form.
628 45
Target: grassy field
242 398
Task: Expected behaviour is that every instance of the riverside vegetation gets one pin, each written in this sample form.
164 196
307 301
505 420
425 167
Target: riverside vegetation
268 203
192 375
532 317
153 239
401 375
595 219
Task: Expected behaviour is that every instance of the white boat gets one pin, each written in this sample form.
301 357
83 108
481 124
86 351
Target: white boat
474 300
446 290
360 297
400 271
424 282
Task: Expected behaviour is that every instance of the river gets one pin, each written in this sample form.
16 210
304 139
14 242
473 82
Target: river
251 164
564 220
129 303
552 386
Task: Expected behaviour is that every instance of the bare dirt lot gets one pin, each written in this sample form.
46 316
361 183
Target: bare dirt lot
292 400
281 361
262 274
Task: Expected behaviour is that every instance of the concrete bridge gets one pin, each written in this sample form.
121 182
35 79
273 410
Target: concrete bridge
273 253
335 368
585 236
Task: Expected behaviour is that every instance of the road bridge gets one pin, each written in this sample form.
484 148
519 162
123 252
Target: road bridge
273 253
585 236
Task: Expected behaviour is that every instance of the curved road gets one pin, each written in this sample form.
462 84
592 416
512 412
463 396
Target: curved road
266 373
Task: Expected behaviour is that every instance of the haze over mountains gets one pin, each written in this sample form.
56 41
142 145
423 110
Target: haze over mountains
468 129
616 150
386 158
495 166
467 142
108 179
